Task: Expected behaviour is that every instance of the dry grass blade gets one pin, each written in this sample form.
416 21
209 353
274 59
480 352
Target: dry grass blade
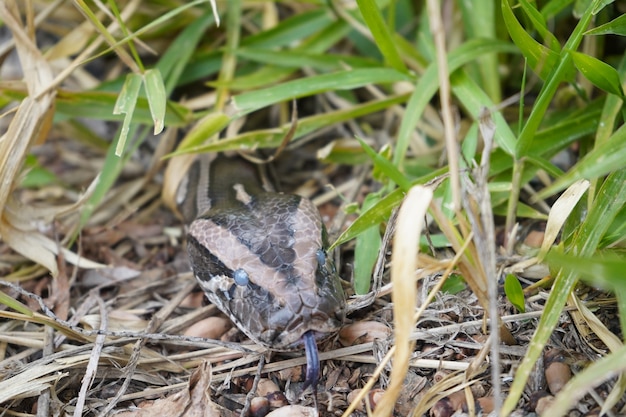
92 366
583 317
404 293
30 125
452 147
32 381
560 211
477 197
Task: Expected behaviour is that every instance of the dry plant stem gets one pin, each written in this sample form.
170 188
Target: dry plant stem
477 365
229 59
133 361
31 113
255 385
340 353
121 53
80 334
516 184
379 267
436 27
370 384
94 358
43 402
84 55
338 8
484 236
30 124
467 265
46 12
443 278
30 23
351 193
343 353
277 366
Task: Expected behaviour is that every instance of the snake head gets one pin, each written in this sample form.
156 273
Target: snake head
262 261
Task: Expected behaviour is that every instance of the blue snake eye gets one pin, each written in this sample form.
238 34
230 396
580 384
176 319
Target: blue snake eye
241 277
321 257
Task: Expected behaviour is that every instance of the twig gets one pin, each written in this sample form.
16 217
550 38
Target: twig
94 358
255 385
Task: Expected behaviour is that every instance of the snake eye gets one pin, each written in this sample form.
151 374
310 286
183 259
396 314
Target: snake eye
241 277
321 258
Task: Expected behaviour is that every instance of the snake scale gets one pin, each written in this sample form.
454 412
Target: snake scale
260 257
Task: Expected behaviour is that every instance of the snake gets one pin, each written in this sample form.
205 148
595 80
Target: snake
261 257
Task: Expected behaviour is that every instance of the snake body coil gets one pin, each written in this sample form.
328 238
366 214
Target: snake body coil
260 256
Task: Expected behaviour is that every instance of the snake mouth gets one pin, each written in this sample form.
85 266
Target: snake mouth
308 336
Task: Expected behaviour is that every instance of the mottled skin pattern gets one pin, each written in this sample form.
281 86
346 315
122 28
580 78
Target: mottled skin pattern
278 240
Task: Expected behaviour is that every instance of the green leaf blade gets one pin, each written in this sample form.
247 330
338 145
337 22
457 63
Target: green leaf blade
342 80
514 292
157 98
602 75
381 33
366 249
126 105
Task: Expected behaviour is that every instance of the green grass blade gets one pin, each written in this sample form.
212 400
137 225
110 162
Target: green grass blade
558 74
604 158
381 33
553 7
125 105
290 30
371 217
343 80
616 26
380 211
111 170
366 251
475 100
428 84
175 60
12 303
157 98
386 167
595 374
600 270
98 105
483 25
271 138
602 75
296 59
539 22
608 202
541 59
514 292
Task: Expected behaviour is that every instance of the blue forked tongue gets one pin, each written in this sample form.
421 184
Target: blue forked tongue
312 362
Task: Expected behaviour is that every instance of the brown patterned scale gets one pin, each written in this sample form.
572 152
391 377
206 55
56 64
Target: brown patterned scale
261 258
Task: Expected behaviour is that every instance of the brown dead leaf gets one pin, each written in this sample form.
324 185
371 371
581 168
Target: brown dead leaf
210 328
195 401
363 332
118 320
